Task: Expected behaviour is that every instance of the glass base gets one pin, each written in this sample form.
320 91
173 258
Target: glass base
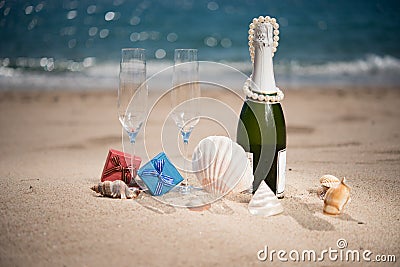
140 183
186 196
185 189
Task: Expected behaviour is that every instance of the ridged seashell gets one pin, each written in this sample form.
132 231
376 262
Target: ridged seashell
221 166
264 202
115 189
329 181
336 198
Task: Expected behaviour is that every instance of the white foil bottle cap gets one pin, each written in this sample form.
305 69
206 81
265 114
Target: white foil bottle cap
263 74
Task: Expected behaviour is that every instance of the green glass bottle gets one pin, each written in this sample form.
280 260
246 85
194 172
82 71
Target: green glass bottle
261 129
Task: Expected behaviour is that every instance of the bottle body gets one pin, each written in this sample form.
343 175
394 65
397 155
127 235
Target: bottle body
262 132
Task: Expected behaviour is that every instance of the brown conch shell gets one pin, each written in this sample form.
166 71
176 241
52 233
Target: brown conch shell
336 198
327 181
115 189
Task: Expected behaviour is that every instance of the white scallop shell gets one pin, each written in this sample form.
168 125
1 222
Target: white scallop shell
221 166
264 202
329 181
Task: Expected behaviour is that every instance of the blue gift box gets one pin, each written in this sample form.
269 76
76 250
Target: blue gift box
160 175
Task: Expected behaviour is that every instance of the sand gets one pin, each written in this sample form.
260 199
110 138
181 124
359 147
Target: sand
53 146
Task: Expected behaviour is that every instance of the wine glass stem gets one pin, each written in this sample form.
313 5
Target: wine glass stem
185 151
133 171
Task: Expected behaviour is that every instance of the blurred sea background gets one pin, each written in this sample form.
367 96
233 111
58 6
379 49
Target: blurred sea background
53 44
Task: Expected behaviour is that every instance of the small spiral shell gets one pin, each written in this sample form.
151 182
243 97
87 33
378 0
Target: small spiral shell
115 189
329 181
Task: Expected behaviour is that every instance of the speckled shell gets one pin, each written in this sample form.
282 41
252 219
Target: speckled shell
337 198
221 166
264 202
329 181
115 189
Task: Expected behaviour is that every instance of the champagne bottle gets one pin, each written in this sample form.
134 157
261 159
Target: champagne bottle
261 129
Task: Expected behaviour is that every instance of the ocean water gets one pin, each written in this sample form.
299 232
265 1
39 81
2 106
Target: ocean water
76 44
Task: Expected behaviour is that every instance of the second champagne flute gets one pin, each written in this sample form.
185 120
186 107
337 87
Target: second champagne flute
186 90
132 98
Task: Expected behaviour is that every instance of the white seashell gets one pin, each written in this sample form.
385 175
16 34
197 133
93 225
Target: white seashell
221 166
115 189
336 198
264 202
329 181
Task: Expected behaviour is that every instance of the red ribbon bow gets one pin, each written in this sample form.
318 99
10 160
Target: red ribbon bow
118 168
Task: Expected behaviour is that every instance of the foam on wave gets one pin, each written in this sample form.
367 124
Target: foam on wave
50 74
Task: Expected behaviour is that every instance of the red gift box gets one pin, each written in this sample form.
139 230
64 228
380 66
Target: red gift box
116 167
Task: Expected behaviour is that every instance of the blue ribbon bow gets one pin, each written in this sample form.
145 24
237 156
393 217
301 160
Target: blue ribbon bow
163 179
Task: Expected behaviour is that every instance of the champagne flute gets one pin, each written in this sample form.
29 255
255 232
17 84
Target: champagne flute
186 87
132 98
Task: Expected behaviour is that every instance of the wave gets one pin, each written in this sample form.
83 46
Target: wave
372 70
48 74
370 64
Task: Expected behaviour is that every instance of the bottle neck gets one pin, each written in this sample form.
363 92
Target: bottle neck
263 72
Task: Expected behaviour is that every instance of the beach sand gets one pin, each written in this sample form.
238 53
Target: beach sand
53 146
